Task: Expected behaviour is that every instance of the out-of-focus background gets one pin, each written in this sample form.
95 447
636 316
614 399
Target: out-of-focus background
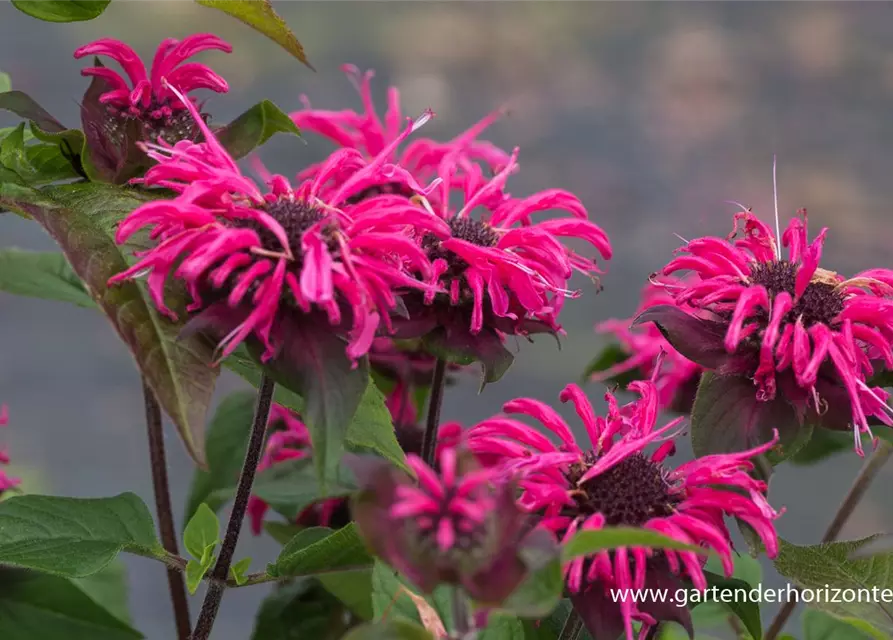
654 114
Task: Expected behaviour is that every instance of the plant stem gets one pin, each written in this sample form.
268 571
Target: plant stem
572 627
460 613
166 528
438 382
860 485
219 574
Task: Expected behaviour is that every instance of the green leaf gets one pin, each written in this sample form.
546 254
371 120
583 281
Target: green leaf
585 543
108 588
254 127
822 444
867 579
353 588
238 570
225 445
201 532
732 593
42 274
370 430
318 549
5 82
25 107
818 625
74 537
539 594
260 16
464 348
388 596
195 571
389 630
39 606
291 486
727 417
501 626
313 364
82 218
610 356
299 610
282 532
62 10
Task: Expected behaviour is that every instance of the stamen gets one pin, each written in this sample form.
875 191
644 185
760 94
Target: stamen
777 223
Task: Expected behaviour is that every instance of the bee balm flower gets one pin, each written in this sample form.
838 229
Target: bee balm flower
614 482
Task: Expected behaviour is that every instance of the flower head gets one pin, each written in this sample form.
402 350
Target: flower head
614 482
256 263
6 482
289 439
788 324
454 526
500 270
149 98
645 345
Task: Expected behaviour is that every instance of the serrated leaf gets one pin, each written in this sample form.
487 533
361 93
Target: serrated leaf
82 218
42 274
611 356
727 417
260 16
225 445
394 598
202 531
62 10
586 543
25 107
353 588
291 486
238 569
74 537
40 606
254 127
732 593
463 348
502 626
319 549
299 610
815 566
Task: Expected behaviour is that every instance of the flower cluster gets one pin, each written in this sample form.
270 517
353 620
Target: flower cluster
362 243
6 482
614 482
791 326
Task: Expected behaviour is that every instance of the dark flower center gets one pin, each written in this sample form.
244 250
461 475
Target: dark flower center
172 128
468 229
630 493
821 303
389 188
294 216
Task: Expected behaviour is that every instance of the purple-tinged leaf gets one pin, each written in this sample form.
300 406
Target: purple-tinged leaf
727 418
82 219
25 107
457 345
699 340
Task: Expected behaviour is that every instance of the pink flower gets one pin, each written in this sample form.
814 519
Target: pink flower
678 376
289 439
368 133
499 269
789 325
6 482
255 263
154 98
452 526
615 483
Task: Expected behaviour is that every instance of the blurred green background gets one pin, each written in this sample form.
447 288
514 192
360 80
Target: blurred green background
654 114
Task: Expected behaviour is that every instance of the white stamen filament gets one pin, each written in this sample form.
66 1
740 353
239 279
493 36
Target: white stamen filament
775 197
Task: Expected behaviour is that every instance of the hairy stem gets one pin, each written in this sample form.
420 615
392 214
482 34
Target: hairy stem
844 511
166 528
438 382
220 572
